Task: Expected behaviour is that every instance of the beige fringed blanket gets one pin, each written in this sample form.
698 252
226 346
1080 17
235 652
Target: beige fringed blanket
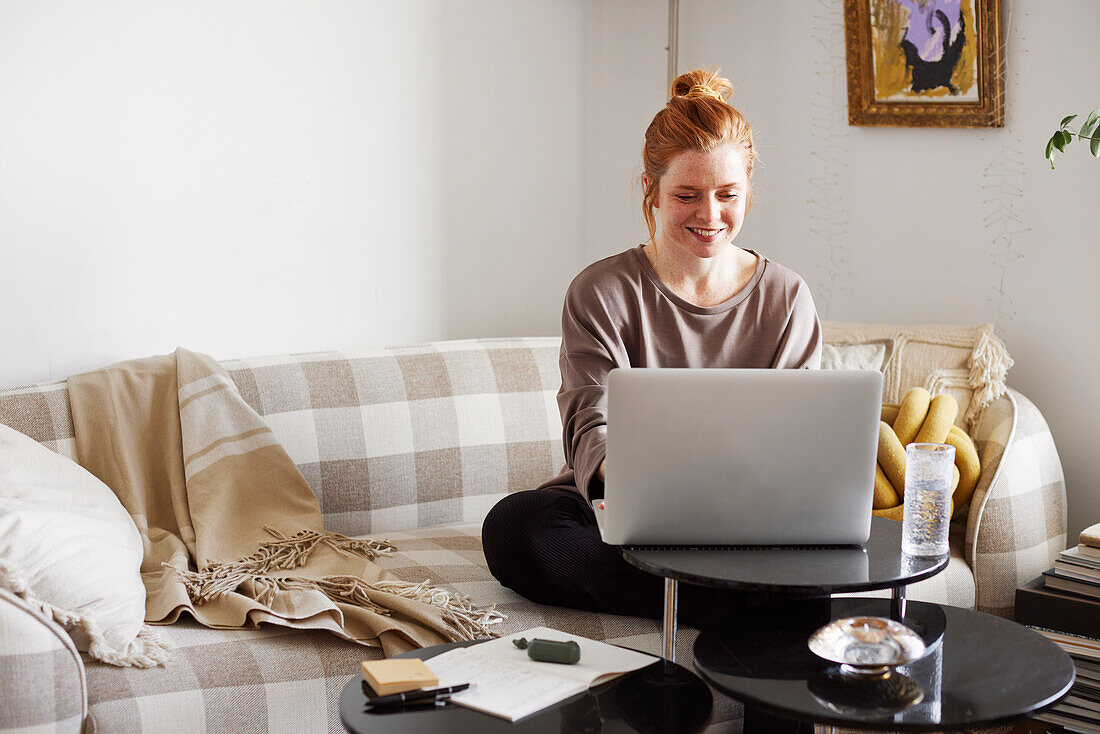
232 531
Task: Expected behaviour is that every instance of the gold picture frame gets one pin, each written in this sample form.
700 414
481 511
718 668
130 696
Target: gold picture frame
890 80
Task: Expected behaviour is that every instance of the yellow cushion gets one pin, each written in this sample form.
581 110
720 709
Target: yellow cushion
923 419
914 407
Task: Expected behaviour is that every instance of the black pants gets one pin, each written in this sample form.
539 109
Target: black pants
545 545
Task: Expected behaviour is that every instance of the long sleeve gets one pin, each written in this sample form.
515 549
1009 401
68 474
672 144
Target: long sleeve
592 345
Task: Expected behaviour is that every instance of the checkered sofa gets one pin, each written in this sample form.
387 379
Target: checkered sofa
414 445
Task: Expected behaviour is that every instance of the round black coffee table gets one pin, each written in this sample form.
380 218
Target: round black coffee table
984 671
877 564
641 701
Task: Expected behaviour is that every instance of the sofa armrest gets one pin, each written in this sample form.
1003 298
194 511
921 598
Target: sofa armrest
42 678
1017 520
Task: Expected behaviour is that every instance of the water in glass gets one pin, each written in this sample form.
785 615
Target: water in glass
926 514
924 524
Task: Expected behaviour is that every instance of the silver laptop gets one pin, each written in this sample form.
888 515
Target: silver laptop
740 457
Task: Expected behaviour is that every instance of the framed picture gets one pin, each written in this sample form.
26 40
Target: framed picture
924 63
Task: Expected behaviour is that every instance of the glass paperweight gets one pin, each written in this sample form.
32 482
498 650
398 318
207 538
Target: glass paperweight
866 647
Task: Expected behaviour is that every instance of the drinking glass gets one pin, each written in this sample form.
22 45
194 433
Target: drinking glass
927 507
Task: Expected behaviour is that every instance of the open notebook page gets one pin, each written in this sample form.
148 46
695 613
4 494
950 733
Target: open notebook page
505 682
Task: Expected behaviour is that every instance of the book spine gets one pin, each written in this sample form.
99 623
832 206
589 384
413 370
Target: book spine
1061 614
1077 568
1087 586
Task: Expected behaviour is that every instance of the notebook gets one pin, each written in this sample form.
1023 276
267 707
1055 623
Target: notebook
505 682
726 457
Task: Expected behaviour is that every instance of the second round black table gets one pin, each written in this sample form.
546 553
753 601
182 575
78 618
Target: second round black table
979 670
877 564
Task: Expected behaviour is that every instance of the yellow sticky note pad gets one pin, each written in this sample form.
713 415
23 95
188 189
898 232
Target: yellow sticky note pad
397 675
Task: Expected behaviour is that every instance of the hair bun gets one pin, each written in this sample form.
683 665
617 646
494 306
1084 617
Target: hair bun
702 83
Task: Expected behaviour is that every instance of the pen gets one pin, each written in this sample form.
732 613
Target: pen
426 704
420 695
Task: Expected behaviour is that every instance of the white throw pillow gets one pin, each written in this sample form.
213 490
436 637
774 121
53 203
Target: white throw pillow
853 357
68 546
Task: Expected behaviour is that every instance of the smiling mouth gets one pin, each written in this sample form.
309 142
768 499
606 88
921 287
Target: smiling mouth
706 233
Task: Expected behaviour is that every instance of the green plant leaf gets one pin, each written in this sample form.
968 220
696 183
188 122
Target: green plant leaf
1090 127
1093 119
1089 130
1049 155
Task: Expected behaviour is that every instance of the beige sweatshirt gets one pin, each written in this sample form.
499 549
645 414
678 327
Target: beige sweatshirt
618 313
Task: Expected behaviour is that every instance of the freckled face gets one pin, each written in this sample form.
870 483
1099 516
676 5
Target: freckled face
702 199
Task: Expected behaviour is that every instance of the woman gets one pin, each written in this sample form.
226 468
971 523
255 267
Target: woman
688 297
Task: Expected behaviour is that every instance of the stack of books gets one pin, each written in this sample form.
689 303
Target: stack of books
1064 605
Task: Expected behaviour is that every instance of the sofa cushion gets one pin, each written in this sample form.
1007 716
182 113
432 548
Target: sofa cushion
402 438
969 362
42 412
452 557
272 679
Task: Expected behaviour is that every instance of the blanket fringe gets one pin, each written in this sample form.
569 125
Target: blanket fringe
293 551
347 589
283 553
147 650
299 547
290 552
466 621
470 622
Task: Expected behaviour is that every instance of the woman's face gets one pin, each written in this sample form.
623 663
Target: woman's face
702 199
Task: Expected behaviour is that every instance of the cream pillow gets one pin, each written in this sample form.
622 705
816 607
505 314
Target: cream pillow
68 547
853 357
968 362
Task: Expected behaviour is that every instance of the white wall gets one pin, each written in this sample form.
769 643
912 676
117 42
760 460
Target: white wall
917 225
254 177
512 121
627 78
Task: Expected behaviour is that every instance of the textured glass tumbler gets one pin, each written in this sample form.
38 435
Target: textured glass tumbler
926 512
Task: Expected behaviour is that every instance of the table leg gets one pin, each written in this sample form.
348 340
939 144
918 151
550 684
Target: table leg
897 604
669 631
672 674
